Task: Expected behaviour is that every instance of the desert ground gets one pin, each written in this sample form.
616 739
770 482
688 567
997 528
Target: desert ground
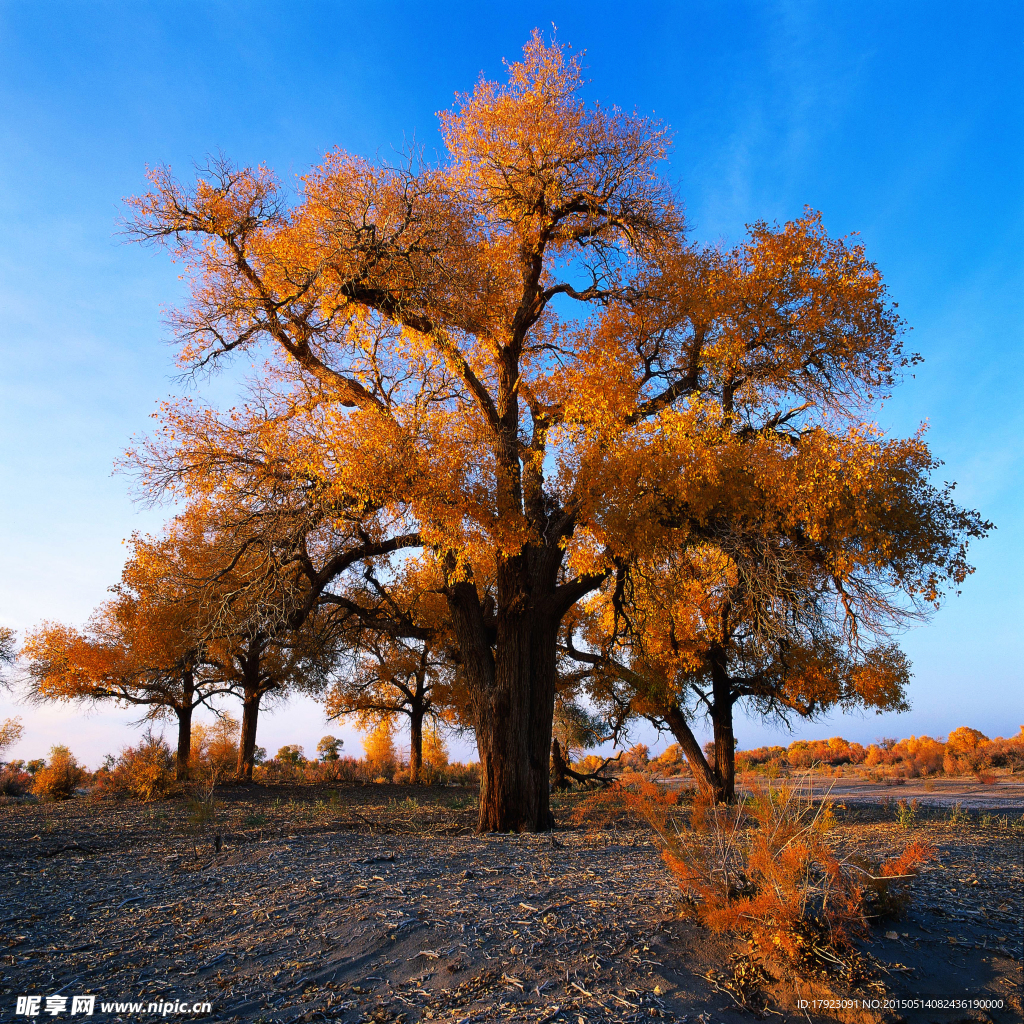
380 904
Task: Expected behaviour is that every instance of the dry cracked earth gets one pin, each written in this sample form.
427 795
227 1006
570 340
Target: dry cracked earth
380 904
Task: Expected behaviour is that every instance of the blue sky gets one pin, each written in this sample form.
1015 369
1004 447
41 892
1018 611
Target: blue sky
903 121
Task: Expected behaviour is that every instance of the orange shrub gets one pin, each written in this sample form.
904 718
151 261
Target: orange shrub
215 747
14 780
806 753
964 750
636 758
59 779
1004 753
920 754
760 757
145 771
767 870
671 761
634 797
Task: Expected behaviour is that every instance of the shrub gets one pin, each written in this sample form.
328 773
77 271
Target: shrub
341 770
921 754
671 761
835 751
590 764
964 750
145 771
215 747
760 758
766 870
635 759
906 813
886 885
1004 753
14 780
59 779
636 796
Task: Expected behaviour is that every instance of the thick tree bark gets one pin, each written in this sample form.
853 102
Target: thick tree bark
513 728
725 754
415 744
721 720
703 773
507 802
184 752
247 740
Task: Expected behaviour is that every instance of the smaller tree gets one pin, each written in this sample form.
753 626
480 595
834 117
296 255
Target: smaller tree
8 653
393 677
215 746
379 747
574 730
11 731
291 753
329 748
435 749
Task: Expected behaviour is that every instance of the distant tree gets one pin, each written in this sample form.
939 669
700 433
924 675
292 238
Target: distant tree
379 748
60 777
215 746
8 653
435 749
291 753
391 678
574 730
147 647
11 731
329 747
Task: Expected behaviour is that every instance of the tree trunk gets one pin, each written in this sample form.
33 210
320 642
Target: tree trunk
725 753
415 744
184 753
559 780
247 740
721 719
507 803
513 728
704 774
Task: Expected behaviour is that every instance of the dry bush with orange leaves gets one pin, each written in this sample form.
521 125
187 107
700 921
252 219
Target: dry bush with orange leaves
145 772
58 779
767 869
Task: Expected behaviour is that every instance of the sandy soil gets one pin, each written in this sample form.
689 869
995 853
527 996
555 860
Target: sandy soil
381 905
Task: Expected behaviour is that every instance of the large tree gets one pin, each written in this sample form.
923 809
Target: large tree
513 363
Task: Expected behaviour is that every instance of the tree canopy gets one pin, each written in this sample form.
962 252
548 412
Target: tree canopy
515 369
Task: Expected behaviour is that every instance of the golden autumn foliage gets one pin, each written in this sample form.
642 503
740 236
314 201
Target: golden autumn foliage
517 370
11 730
379 748
59 777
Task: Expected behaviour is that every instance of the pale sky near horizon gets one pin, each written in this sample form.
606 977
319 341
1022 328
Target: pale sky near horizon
900 121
